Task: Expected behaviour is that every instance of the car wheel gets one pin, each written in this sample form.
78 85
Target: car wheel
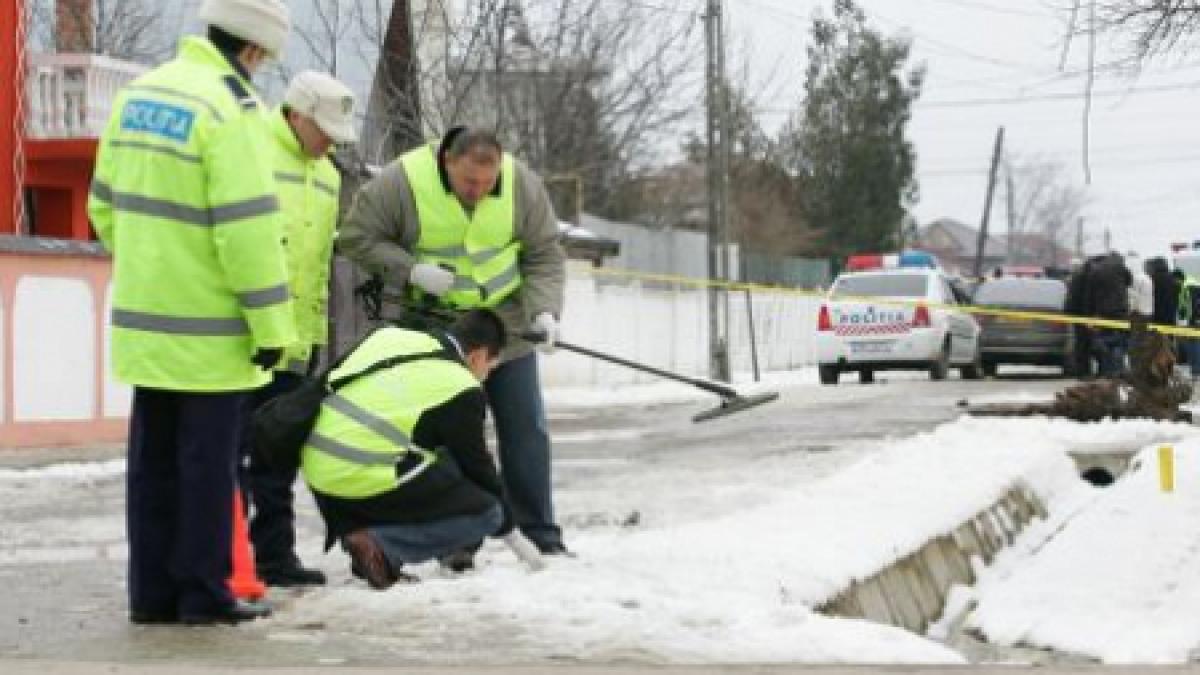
1069 368
974 369
939 369
866 376
989 368
829 374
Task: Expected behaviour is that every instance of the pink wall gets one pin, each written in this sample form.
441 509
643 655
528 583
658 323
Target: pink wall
52 340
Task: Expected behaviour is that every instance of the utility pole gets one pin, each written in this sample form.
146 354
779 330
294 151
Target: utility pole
987 204
717 99
1079 238
1012 216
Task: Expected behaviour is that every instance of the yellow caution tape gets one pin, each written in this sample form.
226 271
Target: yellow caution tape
1095 322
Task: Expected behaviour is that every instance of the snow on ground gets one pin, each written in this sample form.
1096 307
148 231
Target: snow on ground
1117 581
739 587
1110 574
75 472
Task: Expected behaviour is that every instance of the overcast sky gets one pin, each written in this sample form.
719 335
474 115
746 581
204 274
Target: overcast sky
1145 140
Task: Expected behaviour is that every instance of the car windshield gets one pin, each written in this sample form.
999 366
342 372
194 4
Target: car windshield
1040 293
882 285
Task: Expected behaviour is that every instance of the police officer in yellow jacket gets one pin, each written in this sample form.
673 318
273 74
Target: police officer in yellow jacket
317 112
466 223
398 461
184 199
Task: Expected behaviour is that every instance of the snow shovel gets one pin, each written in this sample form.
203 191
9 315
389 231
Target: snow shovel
731 401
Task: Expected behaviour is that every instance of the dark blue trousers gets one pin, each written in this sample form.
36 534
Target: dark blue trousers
273 519
179 505
515 397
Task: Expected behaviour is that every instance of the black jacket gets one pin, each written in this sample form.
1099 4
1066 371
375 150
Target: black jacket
1107 287
462 482
1166 291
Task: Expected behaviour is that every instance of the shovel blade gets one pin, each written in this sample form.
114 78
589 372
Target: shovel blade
735 404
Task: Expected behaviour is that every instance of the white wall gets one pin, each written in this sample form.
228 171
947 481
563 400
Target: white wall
667 327
54 328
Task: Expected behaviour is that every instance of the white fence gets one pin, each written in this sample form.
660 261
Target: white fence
667 326
71 95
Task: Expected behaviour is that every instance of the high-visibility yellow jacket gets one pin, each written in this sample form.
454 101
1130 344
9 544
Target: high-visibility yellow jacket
308 196
361 445
480 247
185 200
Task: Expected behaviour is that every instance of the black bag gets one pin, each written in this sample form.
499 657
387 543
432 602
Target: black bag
280 427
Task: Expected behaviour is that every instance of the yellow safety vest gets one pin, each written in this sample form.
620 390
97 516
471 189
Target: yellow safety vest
361 445
308 195
481 247
184 199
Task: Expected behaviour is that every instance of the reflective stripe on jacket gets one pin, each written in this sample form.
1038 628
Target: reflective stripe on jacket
361 445
308 197
481 247
184 199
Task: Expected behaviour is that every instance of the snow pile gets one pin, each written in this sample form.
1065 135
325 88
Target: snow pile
1119 582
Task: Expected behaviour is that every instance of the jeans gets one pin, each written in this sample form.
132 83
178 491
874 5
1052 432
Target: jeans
515 397
1110 347
179 505
418 542
1192 345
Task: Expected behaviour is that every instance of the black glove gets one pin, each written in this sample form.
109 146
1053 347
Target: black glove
267 358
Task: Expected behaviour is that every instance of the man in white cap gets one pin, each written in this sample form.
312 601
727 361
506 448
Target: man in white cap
317 112
185 199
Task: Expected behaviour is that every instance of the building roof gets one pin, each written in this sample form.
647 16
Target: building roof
950 236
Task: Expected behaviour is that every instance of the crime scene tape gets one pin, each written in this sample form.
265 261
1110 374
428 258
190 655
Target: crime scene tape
1094 322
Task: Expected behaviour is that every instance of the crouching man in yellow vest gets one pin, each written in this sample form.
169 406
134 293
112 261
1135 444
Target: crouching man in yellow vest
468 224
397 460
317 112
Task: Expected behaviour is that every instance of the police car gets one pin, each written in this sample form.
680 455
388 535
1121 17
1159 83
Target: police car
913 326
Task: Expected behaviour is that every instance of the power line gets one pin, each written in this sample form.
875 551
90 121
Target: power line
971 171
1017 100
996 9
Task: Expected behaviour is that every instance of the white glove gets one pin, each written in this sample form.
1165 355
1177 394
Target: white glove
546 325
436 281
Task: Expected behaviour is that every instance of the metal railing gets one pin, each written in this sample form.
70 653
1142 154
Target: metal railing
71 95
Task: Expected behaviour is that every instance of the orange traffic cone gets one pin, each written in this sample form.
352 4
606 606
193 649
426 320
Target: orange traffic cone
244 582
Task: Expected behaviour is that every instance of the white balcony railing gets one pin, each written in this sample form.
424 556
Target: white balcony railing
71 95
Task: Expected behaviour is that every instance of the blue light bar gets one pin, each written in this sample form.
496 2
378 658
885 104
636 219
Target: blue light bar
918 259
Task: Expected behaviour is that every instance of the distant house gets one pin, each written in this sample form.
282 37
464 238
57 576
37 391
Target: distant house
1032 248
955 244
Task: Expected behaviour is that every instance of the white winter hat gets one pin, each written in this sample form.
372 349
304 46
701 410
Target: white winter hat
326 101
260 22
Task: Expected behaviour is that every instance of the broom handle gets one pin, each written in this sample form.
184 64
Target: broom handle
713 387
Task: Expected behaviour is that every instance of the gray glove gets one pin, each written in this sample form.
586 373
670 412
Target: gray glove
432 279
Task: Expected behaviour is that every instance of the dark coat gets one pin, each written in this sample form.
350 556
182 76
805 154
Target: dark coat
1166 291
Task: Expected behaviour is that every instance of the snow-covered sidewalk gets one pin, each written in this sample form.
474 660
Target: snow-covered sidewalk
740 587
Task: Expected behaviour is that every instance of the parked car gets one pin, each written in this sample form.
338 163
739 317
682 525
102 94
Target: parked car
913 326
1021 340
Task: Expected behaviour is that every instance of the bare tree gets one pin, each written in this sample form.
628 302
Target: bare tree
1155 26
1046 206
586 91
131 30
